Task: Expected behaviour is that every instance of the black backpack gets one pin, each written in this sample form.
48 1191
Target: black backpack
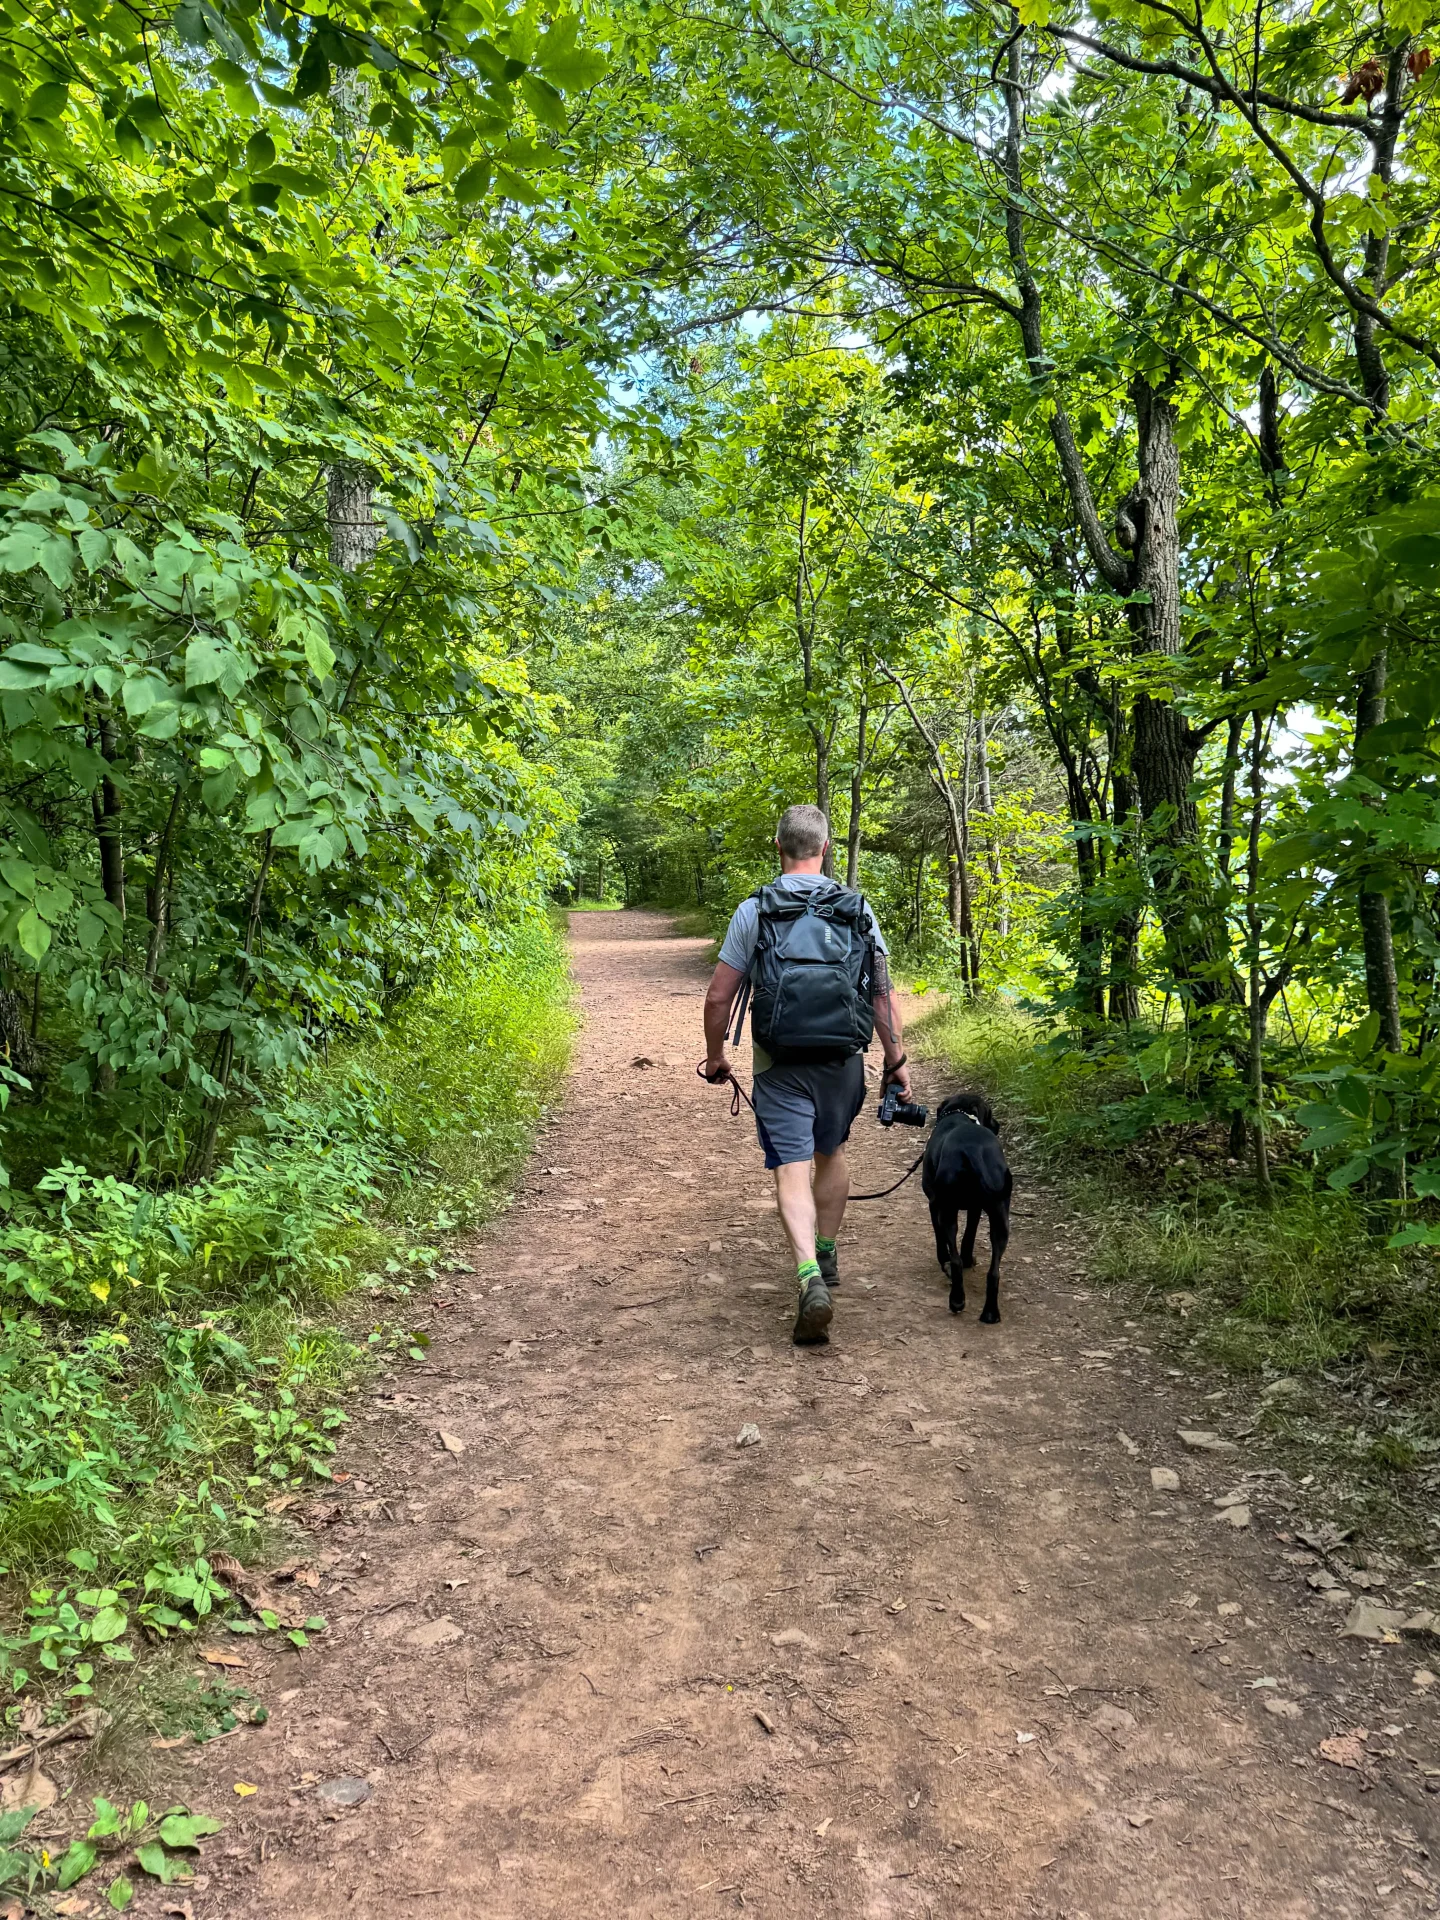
812 977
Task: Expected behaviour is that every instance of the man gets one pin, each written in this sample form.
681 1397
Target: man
806 1101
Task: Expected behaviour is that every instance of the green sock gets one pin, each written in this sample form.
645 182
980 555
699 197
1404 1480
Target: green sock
824 1246
806 1271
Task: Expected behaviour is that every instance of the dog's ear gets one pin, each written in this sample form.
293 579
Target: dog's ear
992 1123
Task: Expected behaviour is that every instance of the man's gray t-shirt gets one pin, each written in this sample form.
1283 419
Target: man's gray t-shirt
738 947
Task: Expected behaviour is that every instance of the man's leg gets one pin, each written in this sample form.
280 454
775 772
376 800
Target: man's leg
813 1311
797 1207
832 1190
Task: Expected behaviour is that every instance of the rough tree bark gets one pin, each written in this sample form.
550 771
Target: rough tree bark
350 510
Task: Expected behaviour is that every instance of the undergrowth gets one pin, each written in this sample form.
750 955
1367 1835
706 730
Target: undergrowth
1337 1334
172 1359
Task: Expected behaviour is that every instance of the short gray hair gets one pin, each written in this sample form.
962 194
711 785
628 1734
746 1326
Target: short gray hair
802 832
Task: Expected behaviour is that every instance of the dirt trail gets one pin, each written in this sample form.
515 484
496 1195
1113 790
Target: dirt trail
934 1647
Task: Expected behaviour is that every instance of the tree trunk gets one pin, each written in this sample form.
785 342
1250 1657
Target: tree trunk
106 810
203 1163
157 894
1258 1006
857 776
1125 937
1382 986
349 505
1147 562
986 802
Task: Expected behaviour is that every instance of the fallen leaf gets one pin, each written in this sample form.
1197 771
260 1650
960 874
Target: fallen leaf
244 1789
898 1606
71 1903
823 1827
748 1436
168 1746
976 1620
256 1591
1181 1303
32 1788
1140 1819
450 1442
221 1657
1128 1444
282 1501
1023 1739
1346 1750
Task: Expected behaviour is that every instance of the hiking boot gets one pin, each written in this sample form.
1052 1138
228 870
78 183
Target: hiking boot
829 1265
813 1315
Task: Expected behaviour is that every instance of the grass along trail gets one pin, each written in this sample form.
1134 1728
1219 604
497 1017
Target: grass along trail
937 1646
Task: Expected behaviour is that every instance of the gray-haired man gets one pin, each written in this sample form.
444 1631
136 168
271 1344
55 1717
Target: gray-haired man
807 1099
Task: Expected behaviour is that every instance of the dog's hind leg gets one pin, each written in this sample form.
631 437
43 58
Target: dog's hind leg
960 1261
967 1245
999 1218
944 1236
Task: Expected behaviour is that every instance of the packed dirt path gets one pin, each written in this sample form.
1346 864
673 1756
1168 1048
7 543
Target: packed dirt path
935 1646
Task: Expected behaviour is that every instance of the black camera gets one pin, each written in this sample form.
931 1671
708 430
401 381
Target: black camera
908 1112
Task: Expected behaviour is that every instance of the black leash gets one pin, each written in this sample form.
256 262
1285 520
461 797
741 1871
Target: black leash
885 1192
738 1093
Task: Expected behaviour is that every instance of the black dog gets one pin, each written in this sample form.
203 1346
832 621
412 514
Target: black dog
965 1171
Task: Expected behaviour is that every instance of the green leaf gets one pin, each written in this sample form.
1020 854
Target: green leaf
162 1866
182 1829
77 1860
13 1824
471 185
319 653
108 1624
32 935
121 1893
544 102
205 661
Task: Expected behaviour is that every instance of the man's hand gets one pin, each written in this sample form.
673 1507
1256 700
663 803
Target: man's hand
898 1076
717 1072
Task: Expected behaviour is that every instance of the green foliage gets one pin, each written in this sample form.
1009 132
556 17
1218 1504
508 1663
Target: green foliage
165 1846
169 1361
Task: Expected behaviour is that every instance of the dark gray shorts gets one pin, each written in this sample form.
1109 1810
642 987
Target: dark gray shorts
802 1111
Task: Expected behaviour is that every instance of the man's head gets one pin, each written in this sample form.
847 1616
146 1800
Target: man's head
802 837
